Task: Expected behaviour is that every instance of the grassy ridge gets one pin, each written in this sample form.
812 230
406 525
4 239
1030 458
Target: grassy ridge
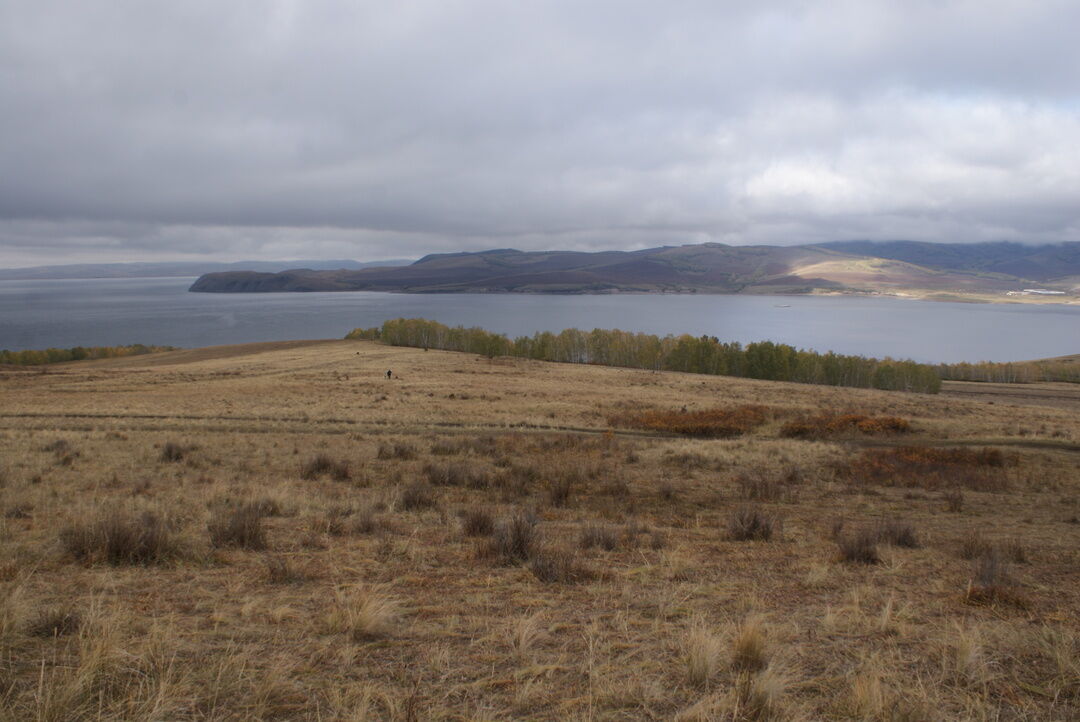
705 355
36 357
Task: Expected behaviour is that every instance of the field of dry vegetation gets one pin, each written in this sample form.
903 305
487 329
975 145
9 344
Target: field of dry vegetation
278 531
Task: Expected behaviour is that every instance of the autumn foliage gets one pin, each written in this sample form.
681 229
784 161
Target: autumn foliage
831 424
931 468
716 423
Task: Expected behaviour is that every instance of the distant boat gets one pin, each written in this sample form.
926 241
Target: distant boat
781 305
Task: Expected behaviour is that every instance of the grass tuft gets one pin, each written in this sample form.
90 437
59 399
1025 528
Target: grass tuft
240 526
750 523
117 537
323 465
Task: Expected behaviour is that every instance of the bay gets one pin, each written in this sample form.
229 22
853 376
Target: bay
108 312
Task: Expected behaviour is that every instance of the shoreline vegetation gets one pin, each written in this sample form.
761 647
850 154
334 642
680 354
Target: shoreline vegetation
763 360
38 357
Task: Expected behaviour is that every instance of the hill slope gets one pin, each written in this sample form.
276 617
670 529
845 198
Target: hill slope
709 268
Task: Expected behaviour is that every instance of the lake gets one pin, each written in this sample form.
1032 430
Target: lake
108 312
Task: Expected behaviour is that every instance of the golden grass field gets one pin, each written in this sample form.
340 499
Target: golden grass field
278 531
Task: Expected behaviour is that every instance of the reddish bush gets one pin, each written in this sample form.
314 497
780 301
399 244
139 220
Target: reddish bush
931 468
708 423
831 424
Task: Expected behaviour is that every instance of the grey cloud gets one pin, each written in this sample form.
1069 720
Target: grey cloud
381 130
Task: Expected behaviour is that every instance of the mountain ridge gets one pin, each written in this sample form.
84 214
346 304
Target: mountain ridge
842 267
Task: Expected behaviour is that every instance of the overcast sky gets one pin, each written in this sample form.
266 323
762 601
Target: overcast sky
142 130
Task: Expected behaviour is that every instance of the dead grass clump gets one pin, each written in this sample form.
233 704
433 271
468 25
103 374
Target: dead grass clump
447 448
477 522
54 622
709 423
514 541
748 646
416 496
172 452
975 546
555 564
991 582
517 479
280 571
240 526
859 547
456 474
931 468
702 651
596 535
560 489
117 537
396 451
363 614
750 523
954 500
759 487
897 533
323 465
366 521
825 425
19 511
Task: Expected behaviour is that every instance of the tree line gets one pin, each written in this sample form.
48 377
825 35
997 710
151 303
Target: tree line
693 354
1027 372
35 357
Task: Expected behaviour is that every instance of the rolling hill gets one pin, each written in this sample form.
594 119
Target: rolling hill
855 267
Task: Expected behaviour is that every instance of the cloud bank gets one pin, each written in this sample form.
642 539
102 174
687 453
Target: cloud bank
326 129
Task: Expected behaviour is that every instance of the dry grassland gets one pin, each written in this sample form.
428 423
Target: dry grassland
280 532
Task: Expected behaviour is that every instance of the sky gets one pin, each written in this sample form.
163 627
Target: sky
137 130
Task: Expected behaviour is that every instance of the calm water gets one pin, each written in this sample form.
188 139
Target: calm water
107 312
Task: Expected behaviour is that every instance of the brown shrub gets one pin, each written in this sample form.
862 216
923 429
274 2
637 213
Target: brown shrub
859 547
560 489
897 533
416 496
398 451
117 537
931 468
280 571
832 424
758 487
954 500
54 622
240 526
595 535
716 423
514 541
749 523
323 465
552 564
456 474
477 522
172 451
991 582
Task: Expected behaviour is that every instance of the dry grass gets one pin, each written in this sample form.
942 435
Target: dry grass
363 614
239 526
323 465
121 537
750 523
499 551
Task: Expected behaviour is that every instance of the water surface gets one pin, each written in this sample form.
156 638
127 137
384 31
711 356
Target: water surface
107 312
